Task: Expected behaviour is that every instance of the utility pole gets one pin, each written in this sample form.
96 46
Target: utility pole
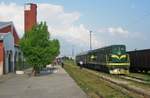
72 51
90 40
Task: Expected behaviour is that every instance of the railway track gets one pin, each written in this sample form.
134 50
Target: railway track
123 82
142 77
125 85
135 79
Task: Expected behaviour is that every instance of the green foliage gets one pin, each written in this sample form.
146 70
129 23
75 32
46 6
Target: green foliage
39 50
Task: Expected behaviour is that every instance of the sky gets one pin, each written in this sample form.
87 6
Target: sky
111 22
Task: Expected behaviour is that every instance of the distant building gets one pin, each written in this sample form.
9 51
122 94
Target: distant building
9 49
30 16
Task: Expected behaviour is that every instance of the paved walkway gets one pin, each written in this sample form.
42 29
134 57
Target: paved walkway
54 85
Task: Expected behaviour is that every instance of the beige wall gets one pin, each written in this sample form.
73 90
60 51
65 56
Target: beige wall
1 57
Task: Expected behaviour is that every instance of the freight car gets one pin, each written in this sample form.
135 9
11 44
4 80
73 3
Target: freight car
140 60
111 59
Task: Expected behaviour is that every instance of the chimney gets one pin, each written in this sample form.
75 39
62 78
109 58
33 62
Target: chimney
30 16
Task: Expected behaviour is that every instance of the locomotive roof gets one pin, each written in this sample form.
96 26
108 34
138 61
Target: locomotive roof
106 47
83 53
111 46
86 52
143 50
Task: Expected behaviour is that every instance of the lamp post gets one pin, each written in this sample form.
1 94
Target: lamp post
90 40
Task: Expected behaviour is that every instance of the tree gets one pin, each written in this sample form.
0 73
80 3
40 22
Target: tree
38 49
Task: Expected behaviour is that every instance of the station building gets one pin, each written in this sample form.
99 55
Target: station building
9 48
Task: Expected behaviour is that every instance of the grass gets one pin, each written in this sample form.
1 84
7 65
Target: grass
92 84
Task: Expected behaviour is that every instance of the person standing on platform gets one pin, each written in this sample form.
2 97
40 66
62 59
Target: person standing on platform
62 63
81 64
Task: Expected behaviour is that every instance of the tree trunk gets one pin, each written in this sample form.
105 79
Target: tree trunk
34 72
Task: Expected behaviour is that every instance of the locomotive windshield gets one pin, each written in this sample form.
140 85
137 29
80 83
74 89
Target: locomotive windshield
118 50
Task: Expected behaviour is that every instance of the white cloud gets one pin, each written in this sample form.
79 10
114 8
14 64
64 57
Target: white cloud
62 24
12 12
115 31
55 14
120 32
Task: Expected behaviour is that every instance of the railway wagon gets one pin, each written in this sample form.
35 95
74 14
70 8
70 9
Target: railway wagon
111 59
140 60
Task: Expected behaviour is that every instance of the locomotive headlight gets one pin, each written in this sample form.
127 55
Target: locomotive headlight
92 57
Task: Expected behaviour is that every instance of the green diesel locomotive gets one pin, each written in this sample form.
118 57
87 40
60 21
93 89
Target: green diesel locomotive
111 59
